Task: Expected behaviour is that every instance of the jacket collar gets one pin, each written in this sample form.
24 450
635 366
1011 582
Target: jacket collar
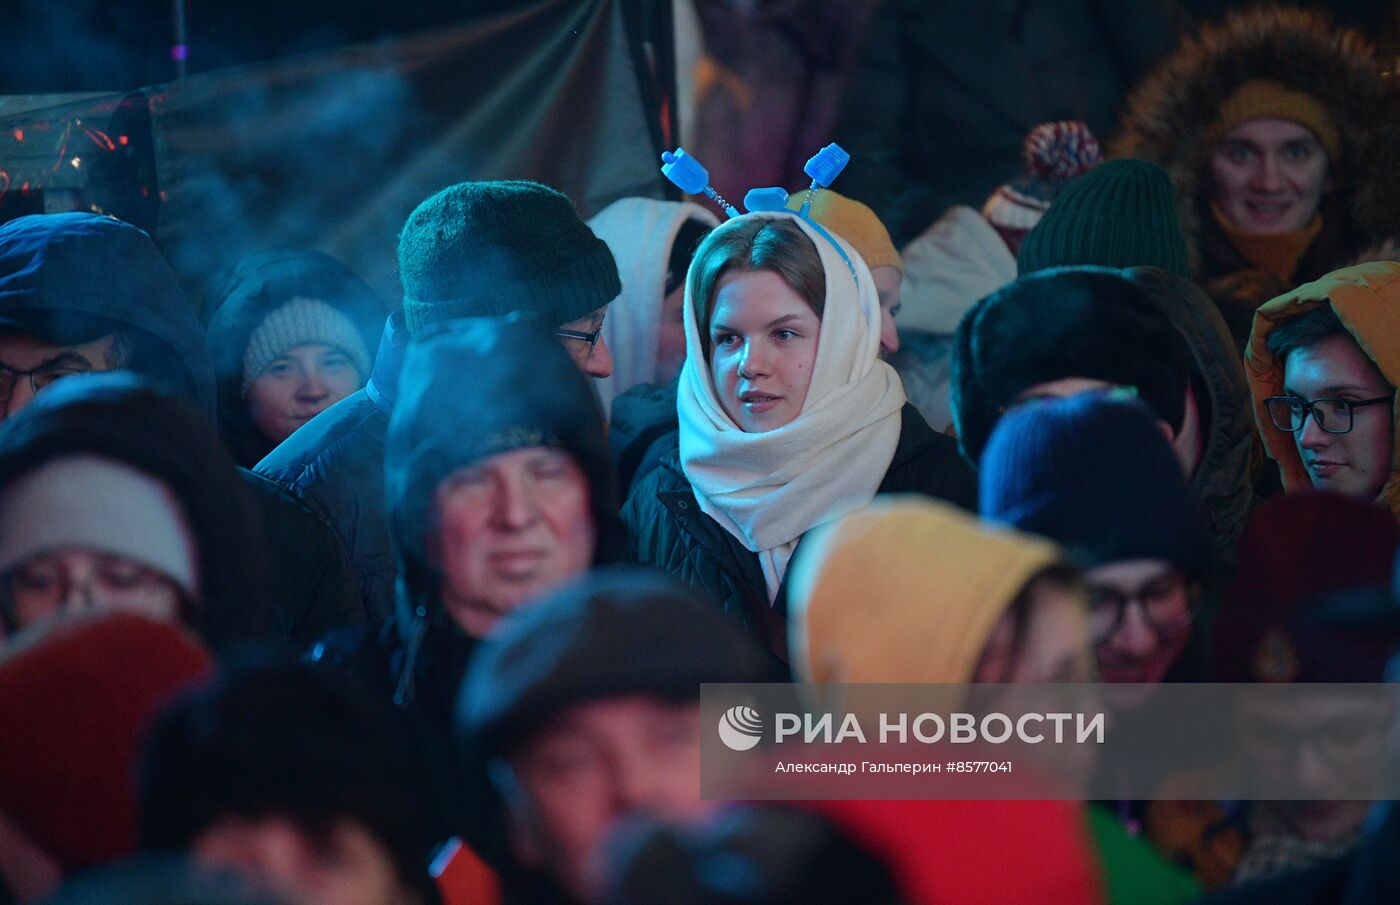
383 384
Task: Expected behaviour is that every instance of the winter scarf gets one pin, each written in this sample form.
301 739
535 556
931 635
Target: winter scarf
768 489
640 232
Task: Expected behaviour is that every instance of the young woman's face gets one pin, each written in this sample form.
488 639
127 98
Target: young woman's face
305 381
763 346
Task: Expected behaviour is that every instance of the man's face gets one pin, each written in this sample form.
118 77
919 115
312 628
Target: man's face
1356 463
1321 742
20 352
1269 176
1140 616
599 762
508 529
594 360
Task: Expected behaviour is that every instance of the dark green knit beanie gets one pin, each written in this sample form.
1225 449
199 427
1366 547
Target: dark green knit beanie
1120 214
485 249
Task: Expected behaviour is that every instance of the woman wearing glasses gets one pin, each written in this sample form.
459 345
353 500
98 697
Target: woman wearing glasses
1323 363
116 496
1094 473
787 417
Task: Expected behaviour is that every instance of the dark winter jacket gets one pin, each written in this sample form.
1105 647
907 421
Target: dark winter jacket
235 305
1223 482
642 430
524 391
56 268
1169 117
938 107
128 419
668 529
335 464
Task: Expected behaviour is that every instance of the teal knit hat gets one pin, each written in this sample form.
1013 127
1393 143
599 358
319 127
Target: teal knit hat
485 249
1122 214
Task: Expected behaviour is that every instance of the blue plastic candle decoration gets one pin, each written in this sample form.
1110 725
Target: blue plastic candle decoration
823 166
690 177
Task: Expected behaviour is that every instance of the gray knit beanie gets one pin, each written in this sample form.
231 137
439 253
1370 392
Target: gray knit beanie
298 323
485 249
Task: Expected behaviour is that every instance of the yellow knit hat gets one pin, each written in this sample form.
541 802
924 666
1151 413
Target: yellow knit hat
907 590
1264 99
855 223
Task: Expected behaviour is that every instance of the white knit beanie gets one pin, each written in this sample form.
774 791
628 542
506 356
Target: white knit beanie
301 322
91 502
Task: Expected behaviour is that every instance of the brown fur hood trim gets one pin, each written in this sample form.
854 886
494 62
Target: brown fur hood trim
1168 116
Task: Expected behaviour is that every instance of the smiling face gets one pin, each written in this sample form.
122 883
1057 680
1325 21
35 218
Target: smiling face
1356 463
1269 176
763 347
297 386
1140 615
509 528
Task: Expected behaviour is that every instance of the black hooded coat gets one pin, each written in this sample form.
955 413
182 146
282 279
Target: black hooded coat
470 389
238 301
70 278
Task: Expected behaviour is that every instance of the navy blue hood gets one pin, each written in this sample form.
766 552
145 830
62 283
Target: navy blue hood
71 278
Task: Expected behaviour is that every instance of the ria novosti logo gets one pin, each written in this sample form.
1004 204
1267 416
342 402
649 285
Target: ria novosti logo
740 728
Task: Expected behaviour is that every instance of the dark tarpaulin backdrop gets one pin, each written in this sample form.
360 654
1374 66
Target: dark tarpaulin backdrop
333 149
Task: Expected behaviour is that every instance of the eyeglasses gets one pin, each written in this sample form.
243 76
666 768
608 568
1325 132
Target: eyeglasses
47 584
1332 415
39 377
591 337
1165 603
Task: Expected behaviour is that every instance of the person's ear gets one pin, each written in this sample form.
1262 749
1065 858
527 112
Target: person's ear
1167 431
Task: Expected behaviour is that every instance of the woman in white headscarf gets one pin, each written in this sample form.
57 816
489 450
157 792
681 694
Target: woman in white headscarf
788 418
652 242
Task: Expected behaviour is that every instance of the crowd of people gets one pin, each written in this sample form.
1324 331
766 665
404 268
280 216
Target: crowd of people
328 600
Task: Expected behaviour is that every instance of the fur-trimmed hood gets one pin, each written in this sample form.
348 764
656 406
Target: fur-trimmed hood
1170 114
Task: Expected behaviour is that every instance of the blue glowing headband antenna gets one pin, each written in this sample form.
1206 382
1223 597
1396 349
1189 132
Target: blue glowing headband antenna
692 178
687 174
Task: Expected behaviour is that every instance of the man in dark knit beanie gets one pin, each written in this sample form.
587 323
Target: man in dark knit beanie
1059 332
1122 214
473 249
1093 473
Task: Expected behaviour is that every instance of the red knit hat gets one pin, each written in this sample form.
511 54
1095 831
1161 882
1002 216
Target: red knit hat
1296 551
76 698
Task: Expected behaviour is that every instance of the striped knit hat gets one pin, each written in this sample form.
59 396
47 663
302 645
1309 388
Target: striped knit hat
1053 154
